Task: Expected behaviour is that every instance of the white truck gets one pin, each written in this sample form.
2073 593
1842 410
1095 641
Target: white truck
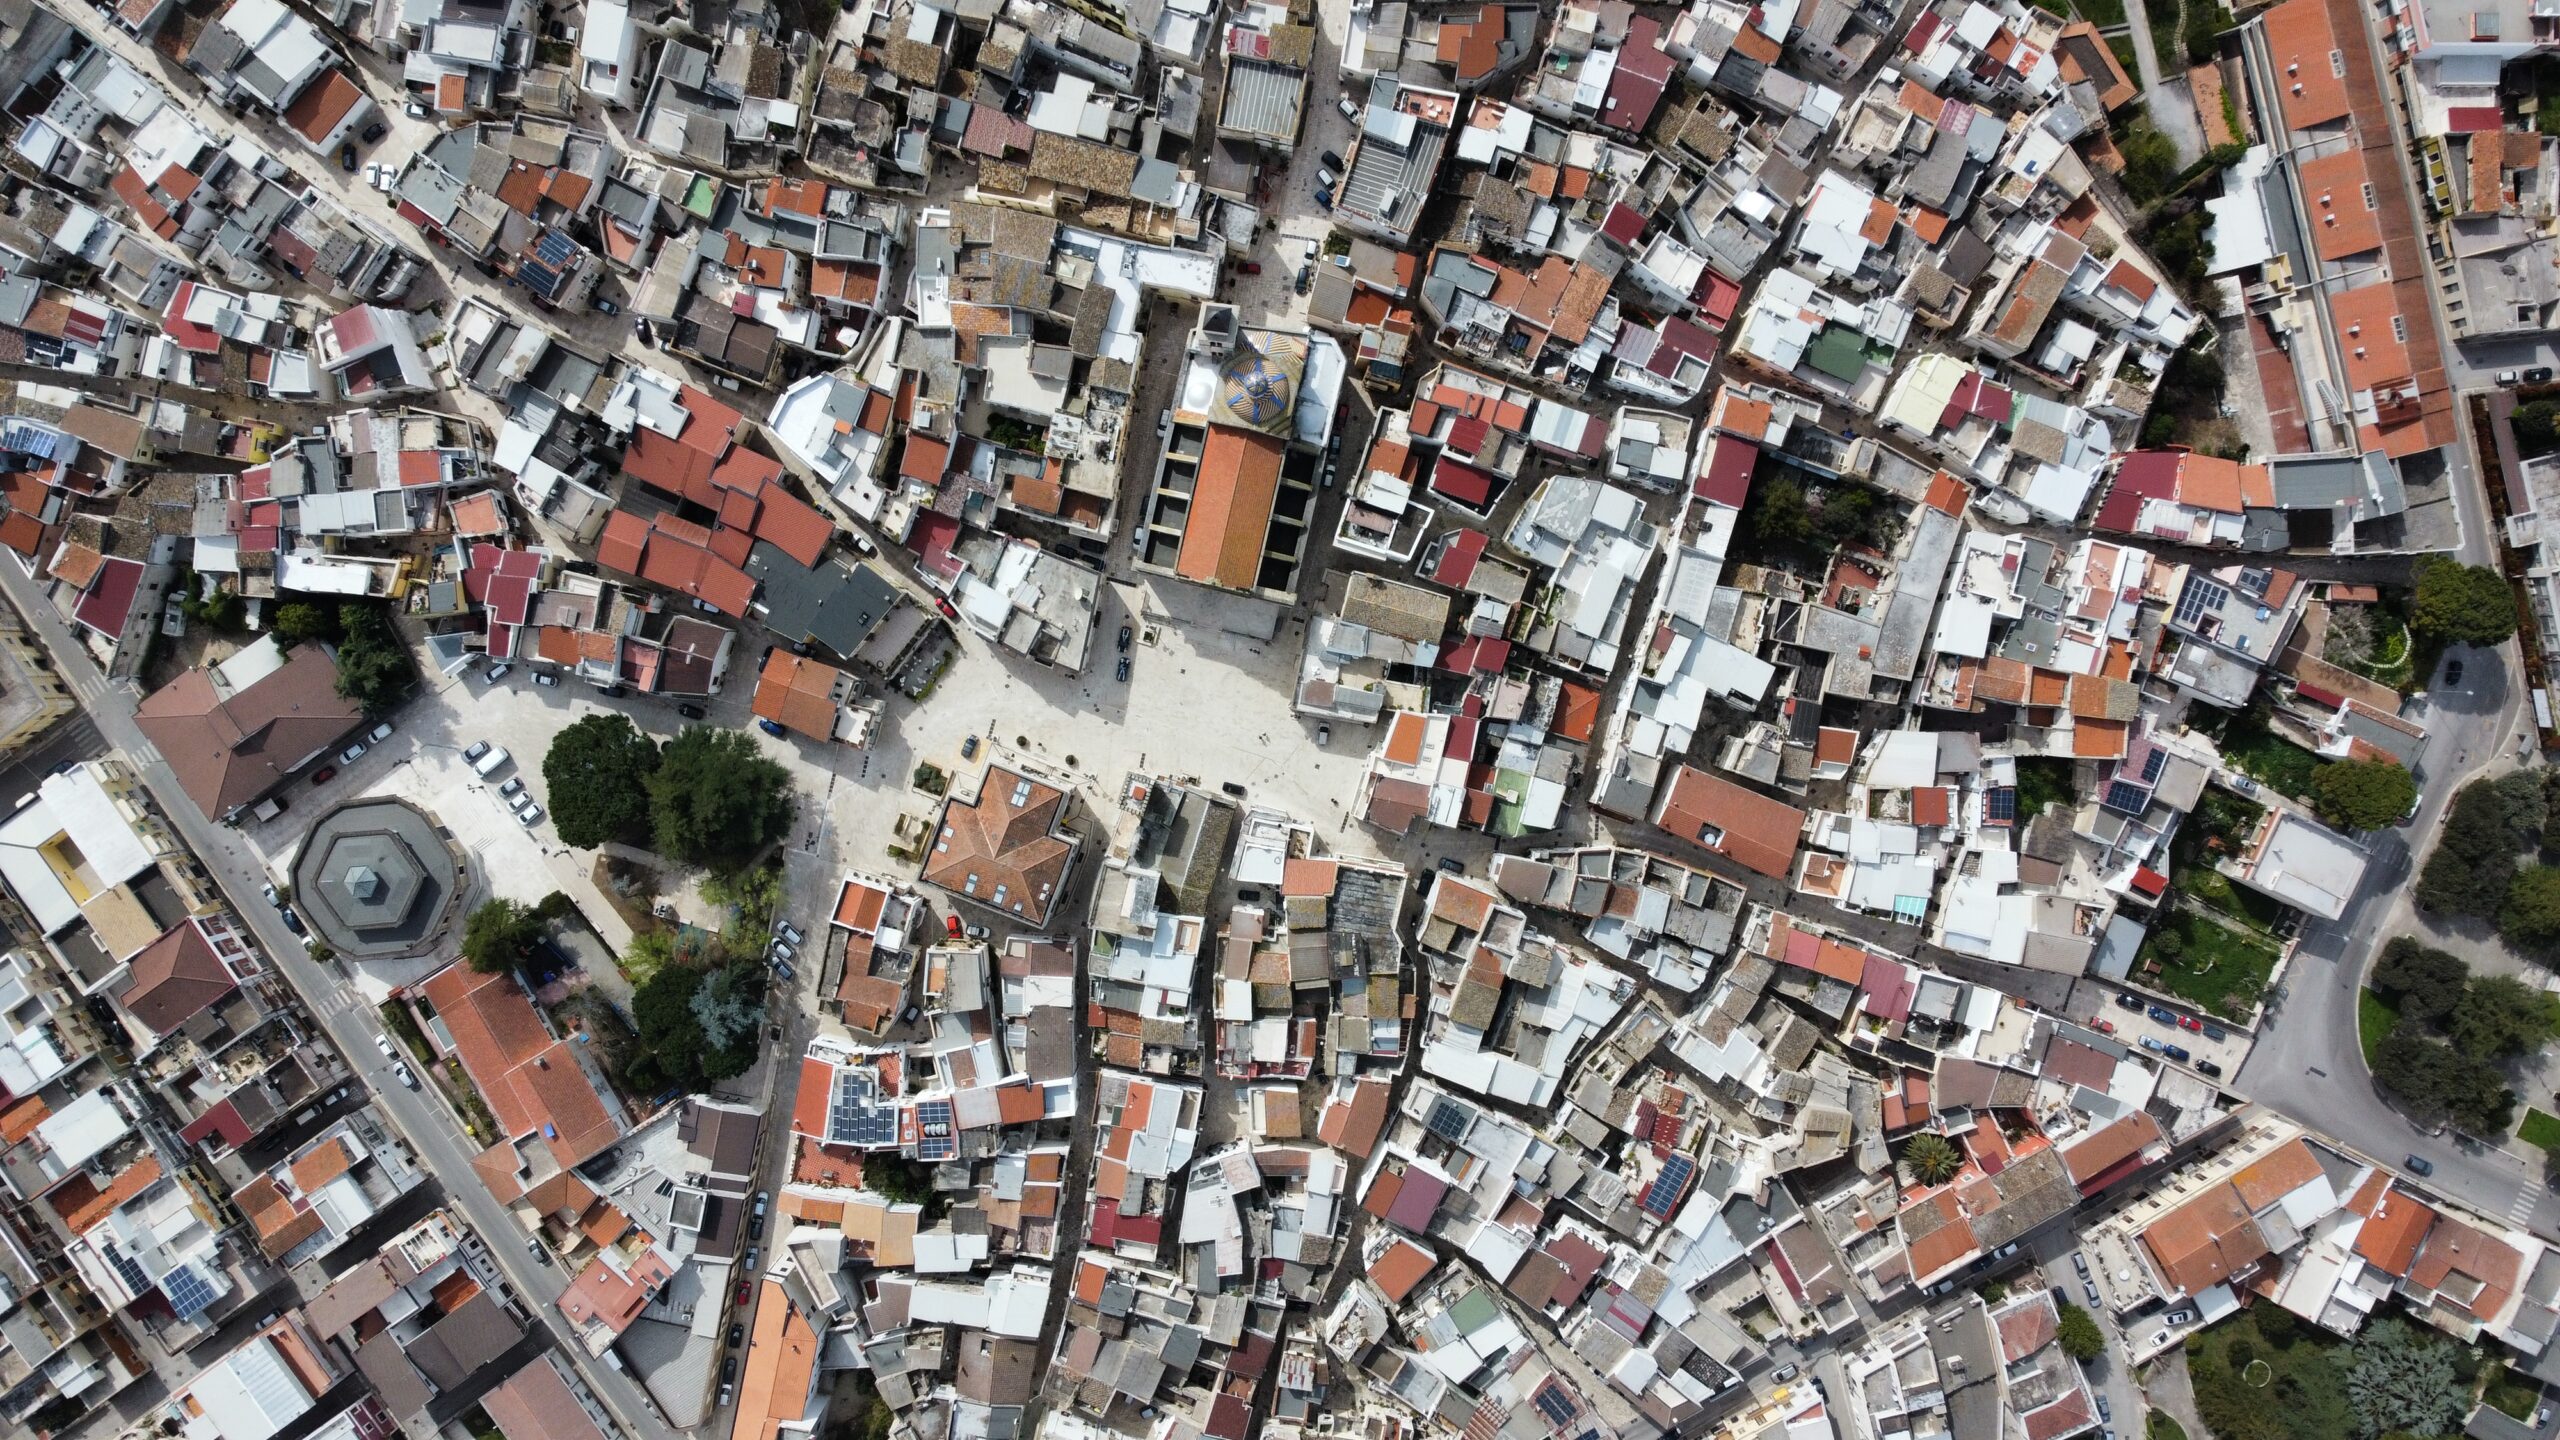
491 763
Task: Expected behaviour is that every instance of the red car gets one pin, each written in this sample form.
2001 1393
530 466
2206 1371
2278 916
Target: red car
324 774
2189 1022
951 926
745 1287
1251 267
943 604
2103 1025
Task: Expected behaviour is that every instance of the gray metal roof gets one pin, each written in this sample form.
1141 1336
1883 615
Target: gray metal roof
1263 99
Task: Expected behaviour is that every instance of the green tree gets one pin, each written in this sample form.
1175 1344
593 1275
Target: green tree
2421 982
597 774
1931 1159
729 1005
2081 1339
669 1048
2403 1379
500 935
2363 794
374 669
2462 604
2435 1080
2473 864
2150 162
2500 1016
2527 805
2537 425
716 800
300 620
2530 918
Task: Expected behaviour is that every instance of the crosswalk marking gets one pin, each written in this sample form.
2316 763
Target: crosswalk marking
2520 1213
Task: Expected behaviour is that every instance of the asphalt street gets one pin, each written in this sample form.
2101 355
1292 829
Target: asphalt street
430 1128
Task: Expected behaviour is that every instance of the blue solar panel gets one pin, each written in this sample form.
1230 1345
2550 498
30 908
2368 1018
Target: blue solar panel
135 1277
1448 1120
1665 1190
2127 797
1553 1403
2153 764
188 1292
2000 804
937 1136
555 249
2201 595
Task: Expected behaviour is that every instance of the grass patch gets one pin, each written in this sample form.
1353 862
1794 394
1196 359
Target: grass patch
2105 14
2209 964
2250 746
2540 1128
400 1025
2213 889
2131 60
2375 1018
2499 1387
2162 1427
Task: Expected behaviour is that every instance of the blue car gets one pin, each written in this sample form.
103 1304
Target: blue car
2152 1045
1324 198
2163 1015
772 728
2175 1052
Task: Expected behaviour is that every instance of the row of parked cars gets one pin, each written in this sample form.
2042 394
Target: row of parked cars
487 760
2175 1021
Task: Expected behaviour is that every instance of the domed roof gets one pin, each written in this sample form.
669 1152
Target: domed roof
1258 386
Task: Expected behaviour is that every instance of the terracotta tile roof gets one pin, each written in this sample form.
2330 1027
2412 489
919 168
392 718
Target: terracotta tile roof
799 694
2468 1268
2390 1236
2305 50
1399 1268
1003 850
1734 821
175 978
2210 1239
1231 503
2278 1173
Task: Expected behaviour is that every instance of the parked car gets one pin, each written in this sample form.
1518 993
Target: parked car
605 307
352 753
745 1288
500 670
2176 1052
2164 1014
1232 788
400 1071
1784 1373
533 1246
2452 673
689 711
977 932
782 949
2189 1022
1331 161
270 892
379 733
2153 1045
1250 267
546 679
969 748
293 922
491 762
2419 1165
1128 633
782 970
1324 734
512 786
478 748
2208 1069
787 931
2215 1032
614 692
374 132
2090 1289
1324 199
1349 111
324 774
2538 375
2103 1412
2179 1317
772 728
737 1336
1120 672
2510 377
347 158
383 1044
729 1370
2129 1000
951 926
2080 1263
530 815
943 604
2102 1025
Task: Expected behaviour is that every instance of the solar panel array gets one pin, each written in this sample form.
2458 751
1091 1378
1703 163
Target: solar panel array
2000 803
188 1292
853 1120
2153 764
2201 595
1556 1405
937 1135
1665 1191
2126 796
1449 1120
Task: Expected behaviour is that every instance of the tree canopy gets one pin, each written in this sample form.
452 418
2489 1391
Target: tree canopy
300 620
2530 918
2499 1016
716 800
673 1049
501 935
2403 1379
374 669
1930 1159
2462 604
2363 794
2436 1080
2474 861
597 773
2080 1336
2423 983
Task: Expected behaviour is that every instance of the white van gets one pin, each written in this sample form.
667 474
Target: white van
491 763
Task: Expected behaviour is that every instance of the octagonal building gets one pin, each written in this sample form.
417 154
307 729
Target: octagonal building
378 880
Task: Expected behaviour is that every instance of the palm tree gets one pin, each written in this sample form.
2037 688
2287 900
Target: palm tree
1931 1159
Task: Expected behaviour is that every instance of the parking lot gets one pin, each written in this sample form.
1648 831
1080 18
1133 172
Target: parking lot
2155 1027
